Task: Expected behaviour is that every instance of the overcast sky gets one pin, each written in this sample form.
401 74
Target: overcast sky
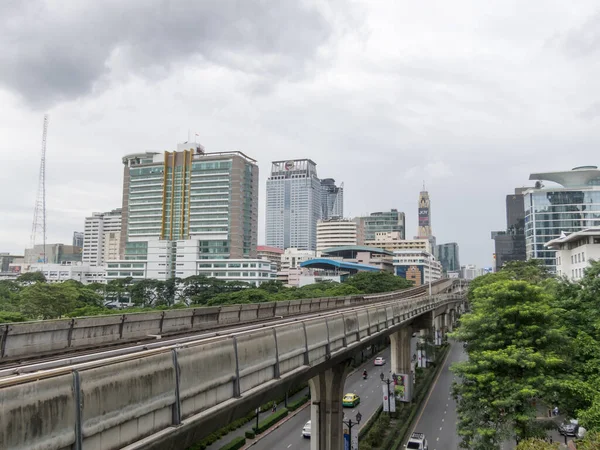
469 96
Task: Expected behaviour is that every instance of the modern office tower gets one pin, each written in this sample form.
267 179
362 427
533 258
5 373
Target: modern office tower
99 228
573 206
385 221
332 199
447 255
78 239
335 233
509 245
182 207
293 205
424 215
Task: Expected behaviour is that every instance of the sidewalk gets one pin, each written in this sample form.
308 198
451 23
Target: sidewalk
248 427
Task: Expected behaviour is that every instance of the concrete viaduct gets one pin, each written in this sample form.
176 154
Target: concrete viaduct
171 396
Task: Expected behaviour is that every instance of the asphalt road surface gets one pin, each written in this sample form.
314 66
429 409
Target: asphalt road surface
289 435
438 418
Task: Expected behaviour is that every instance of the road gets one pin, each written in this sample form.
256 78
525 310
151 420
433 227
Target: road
289 435
438 418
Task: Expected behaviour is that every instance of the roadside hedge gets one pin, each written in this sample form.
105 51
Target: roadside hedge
298 403
235 444
270 421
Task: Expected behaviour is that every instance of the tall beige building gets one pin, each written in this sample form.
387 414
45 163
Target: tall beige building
98 245
336 233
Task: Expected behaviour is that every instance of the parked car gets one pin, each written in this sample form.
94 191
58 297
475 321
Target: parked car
379 361
306 430
569 428
350 400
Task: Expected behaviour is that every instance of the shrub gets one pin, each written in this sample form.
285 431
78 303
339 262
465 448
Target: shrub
250 434
298 403
238 442
270 421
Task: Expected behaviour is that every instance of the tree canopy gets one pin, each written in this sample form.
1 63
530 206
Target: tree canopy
532 341
32 298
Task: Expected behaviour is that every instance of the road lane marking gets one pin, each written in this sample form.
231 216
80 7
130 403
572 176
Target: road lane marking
440 428
430 393
442 420
289 445
438 439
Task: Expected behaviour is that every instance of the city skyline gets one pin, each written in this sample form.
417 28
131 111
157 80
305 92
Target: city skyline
472 113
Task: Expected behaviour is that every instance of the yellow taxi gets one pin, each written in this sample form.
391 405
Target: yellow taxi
350 400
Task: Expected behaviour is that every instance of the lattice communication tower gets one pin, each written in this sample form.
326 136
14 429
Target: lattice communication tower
38 229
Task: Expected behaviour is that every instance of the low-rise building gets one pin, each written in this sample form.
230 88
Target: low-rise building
272 254
469 272
82 272
292 257
254 271
418 266
361 254
574 252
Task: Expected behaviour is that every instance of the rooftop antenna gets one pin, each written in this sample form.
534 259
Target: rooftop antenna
39 213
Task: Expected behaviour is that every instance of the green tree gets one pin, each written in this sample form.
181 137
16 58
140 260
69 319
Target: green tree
537 444
31 277
514 345
47 301
145 292
376 282
8 317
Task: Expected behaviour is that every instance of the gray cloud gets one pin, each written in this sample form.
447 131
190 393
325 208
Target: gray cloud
52 52
584 40
591 112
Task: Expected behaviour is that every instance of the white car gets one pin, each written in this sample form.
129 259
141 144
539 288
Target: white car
417 441
379 361
306 430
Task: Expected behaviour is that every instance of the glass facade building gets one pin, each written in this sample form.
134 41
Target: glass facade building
571 207
509 245
386 221
448 257
187 205
332 199
293 205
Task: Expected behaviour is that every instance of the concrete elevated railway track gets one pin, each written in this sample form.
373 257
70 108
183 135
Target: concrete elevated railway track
47 342
170 396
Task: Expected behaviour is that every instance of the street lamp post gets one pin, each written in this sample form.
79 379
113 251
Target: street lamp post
388 381
350 424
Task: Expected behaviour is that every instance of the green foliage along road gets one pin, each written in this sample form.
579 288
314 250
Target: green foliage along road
532 340
30 297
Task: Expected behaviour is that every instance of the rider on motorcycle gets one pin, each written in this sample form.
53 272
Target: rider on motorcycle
365 373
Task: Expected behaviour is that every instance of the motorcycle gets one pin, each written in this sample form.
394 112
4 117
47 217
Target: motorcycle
365 375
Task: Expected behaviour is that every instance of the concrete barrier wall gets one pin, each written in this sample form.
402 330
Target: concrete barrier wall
128 398
38 415
208 375
30 339
126 401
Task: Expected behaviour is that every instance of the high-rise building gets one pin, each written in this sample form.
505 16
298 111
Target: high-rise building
509 245
424 215
332 199
573 206
385 221
96 236
293 205
182 207
447 254
335 233
78 239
